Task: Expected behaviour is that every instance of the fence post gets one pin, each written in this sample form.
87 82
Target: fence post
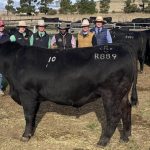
34 29
114 25
134 25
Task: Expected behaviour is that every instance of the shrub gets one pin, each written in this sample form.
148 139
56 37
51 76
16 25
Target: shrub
52 12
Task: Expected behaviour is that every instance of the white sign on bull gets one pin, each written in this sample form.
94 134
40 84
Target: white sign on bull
98 56
51 59
105 54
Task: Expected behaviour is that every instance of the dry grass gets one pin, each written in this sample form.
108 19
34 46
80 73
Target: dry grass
65 128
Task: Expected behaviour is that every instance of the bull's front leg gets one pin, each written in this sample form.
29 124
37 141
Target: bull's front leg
30 107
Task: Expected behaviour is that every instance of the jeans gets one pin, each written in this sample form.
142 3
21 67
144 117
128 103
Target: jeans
1 81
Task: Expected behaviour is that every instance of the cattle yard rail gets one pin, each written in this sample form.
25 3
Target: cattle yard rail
133 25
76 27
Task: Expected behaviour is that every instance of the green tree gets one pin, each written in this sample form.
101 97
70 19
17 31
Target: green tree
143 4
104 6
44 6
130 6
127 3
147 9
65 6
27 6
73 8
9 7
86 7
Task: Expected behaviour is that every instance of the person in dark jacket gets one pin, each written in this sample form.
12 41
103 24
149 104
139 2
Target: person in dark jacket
22 35
86 38
102 34
40 38
4 37
63 40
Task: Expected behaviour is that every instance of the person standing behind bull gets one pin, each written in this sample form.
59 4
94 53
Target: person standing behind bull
102 34
4 37
86 38
63 40
22 35
40 38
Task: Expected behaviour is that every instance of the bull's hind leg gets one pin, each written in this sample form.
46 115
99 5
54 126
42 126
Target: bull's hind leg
141 61
30 107
113 115
126 119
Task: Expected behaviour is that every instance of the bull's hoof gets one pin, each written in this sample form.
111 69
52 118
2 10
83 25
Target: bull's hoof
134 103
124 140
103 142
25 139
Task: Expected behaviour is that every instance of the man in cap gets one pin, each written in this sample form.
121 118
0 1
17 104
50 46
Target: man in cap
40 38
4 37
86 38
102 34
22 34
63 40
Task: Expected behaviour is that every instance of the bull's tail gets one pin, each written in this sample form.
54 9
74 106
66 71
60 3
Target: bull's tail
134 95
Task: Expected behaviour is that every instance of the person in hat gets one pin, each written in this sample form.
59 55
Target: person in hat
22 34
4 37
63 40
86 38
102 34
40 38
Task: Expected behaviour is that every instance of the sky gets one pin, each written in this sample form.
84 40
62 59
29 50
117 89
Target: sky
4 2
16 3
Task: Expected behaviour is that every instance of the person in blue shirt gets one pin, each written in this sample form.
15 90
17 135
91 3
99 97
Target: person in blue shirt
102 34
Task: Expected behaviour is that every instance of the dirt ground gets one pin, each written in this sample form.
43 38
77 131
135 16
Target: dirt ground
67 128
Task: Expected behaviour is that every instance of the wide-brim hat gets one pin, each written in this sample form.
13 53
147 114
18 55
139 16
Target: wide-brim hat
85 23
63 26
22 24
100 19
41 23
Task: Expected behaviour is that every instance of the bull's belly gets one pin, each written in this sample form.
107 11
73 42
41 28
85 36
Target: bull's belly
70 98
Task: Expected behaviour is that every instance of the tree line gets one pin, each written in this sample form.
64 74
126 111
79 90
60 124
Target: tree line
66 6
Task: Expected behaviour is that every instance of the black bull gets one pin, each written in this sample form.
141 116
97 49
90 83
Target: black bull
133 38
72 77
